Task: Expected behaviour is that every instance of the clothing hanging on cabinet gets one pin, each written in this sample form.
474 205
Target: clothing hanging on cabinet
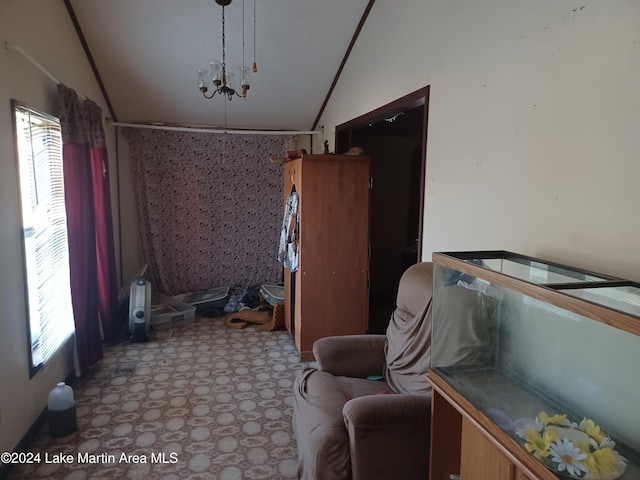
290 235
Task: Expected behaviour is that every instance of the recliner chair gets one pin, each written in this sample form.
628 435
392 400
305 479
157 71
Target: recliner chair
351 427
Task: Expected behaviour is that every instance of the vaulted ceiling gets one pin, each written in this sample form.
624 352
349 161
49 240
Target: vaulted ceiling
147 53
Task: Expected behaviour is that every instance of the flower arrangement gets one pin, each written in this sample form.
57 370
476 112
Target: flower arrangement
577 450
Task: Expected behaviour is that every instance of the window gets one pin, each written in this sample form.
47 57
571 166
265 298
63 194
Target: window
44 230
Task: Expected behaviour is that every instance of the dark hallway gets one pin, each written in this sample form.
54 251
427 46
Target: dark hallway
395 144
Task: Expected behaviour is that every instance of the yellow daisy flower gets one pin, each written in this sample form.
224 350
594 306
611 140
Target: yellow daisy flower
554 420
538 444
589 427
603 461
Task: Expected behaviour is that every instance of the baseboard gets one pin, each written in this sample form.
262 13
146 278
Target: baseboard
25 441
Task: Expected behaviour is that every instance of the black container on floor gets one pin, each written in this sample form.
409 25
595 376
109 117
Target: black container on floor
63 422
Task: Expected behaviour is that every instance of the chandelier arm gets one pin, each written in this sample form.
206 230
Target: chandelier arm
213 93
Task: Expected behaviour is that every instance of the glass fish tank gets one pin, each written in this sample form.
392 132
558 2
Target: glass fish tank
548 353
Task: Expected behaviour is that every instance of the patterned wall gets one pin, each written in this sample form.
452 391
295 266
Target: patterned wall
210 207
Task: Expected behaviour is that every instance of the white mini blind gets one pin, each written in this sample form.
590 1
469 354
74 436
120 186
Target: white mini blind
44 222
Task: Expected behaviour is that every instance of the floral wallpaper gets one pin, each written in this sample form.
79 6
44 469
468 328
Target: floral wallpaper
210 207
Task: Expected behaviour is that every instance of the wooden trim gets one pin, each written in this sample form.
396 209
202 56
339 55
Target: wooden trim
307 356
523 259
498 437
356 34
543 293
423 178
411 100
87 51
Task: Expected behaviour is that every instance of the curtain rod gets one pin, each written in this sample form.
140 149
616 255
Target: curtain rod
215 130
9 46
35 63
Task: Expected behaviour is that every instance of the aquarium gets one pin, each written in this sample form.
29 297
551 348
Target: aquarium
548 353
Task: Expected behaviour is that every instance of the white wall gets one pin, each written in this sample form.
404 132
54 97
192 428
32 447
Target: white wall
44 30
533 121
130 230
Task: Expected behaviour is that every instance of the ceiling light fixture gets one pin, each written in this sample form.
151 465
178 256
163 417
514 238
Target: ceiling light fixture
222 80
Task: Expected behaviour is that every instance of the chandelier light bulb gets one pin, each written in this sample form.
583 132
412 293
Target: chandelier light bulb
216 73
231 81
202 81
245 75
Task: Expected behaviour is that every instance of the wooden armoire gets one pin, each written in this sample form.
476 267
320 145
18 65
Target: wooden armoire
328 294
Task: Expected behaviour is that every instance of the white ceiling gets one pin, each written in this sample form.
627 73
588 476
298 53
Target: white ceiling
147 53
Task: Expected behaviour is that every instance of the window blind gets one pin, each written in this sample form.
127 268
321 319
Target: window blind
44 222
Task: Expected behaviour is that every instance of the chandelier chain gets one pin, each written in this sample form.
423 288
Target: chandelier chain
243 64
255 65
224 65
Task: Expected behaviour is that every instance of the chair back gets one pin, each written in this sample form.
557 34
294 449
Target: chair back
409 332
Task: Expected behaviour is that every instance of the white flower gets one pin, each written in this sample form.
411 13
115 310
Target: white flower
521 425
568 457
607 442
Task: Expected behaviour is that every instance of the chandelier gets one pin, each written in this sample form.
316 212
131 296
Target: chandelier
223 81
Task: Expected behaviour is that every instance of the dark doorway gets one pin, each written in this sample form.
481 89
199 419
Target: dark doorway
394 136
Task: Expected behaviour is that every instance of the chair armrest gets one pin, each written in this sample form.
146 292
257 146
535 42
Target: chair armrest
381 411
350 355
389 436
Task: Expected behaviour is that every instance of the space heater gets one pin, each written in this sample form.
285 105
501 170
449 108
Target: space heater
140 309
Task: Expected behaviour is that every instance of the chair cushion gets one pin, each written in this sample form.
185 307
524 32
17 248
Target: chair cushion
323 442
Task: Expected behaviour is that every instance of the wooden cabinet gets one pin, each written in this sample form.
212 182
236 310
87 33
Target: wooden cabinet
521 475
480 459
465 442
328 295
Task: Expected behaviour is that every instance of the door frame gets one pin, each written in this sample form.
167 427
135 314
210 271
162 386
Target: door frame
414 99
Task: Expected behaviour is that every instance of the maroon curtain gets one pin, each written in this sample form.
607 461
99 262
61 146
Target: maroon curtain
89 225
78 194
105 248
